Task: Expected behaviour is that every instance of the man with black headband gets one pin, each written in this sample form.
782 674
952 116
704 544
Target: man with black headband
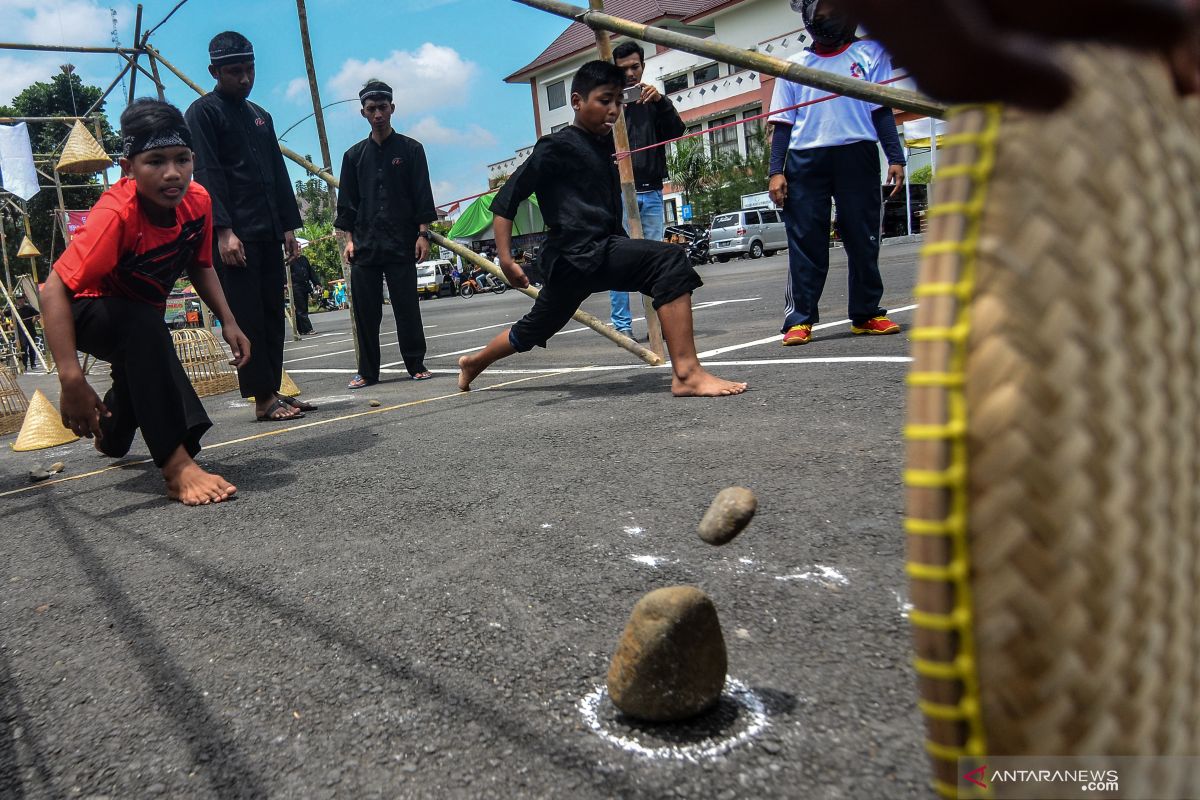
254 215
385 205
106 294
831 150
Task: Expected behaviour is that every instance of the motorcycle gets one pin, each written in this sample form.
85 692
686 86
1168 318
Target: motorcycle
696 245
480 282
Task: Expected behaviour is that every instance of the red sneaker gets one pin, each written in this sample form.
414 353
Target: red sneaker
878 326
797 334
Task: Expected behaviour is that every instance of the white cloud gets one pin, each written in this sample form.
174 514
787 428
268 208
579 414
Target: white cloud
297 89
64 21
423 79
429 131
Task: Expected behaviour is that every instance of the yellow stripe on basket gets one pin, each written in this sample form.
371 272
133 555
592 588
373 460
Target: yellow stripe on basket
953 479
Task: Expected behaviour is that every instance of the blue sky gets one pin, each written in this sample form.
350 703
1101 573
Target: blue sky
446 60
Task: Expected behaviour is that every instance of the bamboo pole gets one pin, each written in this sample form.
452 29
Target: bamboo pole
582 317
888 96
62 211
312 168
32 259
326 158
633 215
4 250
158 84
100 138
137 34
14 120
66 48
28 335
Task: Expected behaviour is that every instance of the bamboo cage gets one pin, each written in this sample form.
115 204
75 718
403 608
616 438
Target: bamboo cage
12 402
205 361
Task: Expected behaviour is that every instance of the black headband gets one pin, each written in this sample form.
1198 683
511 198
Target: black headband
377 91
234 54
175 137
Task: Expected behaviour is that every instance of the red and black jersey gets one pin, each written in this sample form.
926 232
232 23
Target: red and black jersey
120 253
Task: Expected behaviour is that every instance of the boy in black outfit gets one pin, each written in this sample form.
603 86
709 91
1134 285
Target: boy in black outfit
578 187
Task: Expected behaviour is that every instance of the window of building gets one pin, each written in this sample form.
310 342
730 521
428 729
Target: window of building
706 74
753 130
557 128
676 83
726 139
671 211
556 95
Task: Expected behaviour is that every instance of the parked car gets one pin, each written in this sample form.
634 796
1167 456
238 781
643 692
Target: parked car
433 279
752 233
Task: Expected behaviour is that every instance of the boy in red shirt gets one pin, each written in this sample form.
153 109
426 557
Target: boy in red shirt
106 295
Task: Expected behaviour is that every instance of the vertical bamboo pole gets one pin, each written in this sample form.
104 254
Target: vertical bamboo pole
628 190
100 138
62 213
20 323
158 84
4 250
326 160
32 259
137 34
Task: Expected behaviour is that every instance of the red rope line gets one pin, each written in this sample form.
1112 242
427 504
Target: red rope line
628 153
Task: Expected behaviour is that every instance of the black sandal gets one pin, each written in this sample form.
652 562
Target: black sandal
277 406
299 405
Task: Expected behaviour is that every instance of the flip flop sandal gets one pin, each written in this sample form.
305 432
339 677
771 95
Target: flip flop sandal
276 406
422 376
299 405
359 382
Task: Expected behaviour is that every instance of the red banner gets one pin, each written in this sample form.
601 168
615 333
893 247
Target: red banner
75 221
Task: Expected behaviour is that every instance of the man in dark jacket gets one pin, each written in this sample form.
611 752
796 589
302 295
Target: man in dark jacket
304 283
652 119
384 209
237 160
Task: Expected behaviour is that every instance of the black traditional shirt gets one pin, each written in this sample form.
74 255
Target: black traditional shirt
239 163
579 194
651 123
384 198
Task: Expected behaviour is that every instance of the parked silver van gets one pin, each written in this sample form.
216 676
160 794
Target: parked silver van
753 233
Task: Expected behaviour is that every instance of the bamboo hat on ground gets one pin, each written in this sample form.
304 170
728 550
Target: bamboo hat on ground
1053 500
42 427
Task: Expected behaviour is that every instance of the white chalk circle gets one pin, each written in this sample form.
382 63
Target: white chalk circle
745 711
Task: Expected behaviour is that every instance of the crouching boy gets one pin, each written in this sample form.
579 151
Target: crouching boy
106 295
579 192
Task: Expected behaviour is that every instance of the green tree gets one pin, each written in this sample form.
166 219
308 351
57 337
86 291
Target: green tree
63 94
312 194
923 175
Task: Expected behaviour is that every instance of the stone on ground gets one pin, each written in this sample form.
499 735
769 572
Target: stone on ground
670 663
730 513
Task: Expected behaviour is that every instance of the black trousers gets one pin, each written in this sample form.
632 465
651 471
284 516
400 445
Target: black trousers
303 323
256 297
150 390
658 269
366 286
849 173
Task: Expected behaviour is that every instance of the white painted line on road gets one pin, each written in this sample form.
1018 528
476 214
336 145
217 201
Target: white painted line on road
621 367
776 337
818 574
737 692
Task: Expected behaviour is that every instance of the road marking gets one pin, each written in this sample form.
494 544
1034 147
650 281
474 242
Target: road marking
290 427
619 367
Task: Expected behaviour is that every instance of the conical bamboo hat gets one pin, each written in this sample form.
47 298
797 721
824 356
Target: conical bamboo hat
82 154
28 250
288 387
43 426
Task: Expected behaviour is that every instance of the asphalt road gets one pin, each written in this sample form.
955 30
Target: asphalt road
418 600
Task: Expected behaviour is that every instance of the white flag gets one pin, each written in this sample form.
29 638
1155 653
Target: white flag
16 161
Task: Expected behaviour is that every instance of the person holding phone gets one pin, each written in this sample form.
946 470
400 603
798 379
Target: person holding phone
650 119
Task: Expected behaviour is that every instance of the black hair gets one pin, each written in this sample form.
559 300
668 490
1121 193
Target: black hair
147 117
229 42
627 49
595 74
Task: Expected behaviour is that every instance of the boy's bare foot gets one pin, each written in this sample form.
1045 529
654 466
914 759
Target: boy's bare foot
192 486
468 371
704 384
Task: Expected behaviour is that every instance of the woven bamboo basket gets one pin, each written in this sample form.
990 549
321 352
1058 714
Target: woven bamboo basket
82 154
1054 431
12 402
205 361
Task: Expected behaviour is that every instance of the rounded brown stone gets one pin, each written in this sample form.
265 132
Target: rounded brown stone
730 513
670 663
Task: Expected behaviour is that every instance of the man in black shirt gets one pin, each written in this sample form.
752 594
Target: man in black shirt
304 283
29 316
238 161
586 249
385 205
650 120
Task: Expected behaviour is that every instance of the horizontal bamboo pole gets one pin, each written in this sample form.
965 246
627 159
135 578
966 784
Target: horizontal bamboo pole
66 48
288 152
581 317
64 120
728 54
